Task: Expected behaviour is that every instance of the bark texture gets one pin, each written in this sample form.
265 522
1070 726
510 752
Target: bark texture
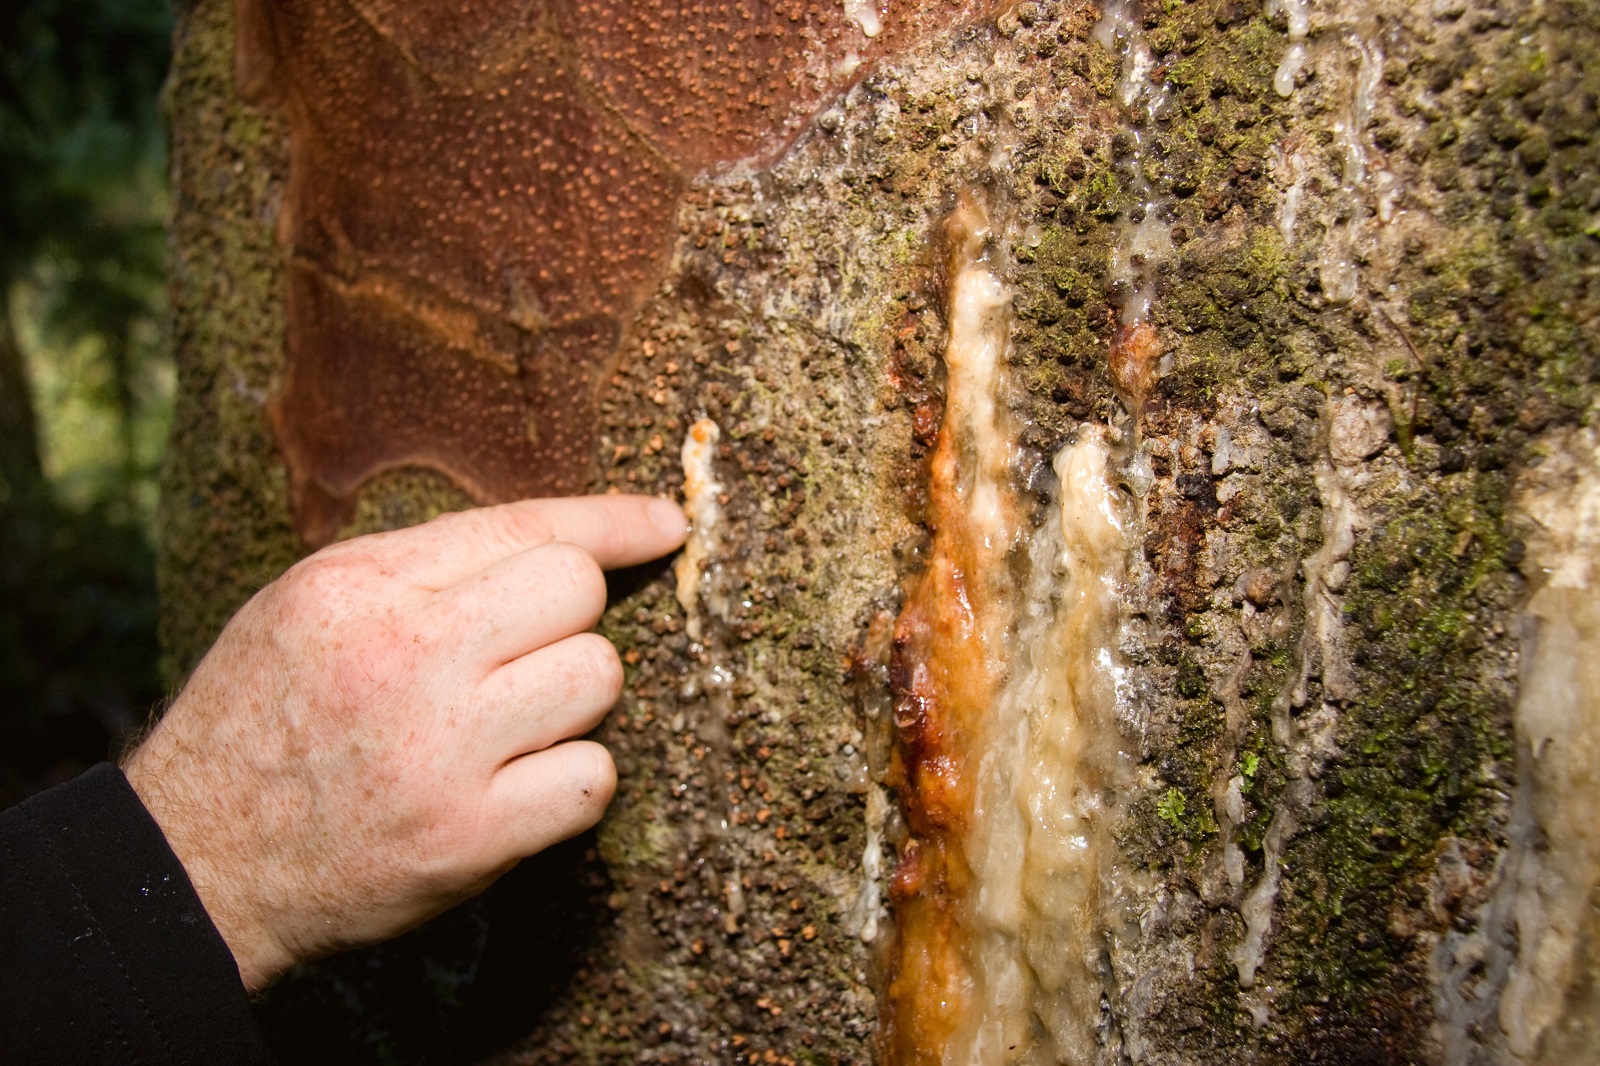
1306 292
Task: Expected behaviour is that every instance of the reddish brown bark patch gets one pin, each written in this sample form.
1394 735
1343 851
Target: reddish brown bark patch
479 196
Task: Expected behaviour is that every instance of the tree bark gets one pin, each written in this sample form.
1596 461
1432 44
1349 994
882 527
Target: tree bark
1144 467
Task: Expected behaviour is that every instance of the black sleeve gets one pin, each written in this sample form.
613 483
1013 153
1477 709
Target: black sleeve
106 953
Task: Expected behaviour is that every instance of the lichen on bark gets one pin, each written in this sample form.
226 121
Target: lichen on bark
224 508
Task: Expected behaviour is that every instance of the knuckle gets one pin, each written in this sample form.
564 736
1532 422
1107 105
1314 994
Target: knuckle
332 584
447 520
334 614
579 578
602 672
311 590
448 527
374 667
524 522
510 528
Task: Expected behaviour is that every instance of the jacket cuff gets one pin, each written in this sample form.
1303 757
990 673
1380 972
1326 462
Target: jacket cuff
111 951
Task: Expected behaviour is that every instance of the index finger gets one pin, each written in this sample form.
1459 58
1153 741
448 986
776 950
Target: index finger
618 530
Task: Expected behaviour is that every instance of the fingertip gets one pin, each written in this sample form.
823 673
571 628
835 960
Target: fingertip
670 520
554 794
600 783
594 776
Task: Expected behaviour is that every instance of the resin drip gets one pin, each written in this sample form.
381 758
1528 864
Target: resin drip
864 13
1294 57
1039 838
700 503
949 663
1339 272
1145 243
1005 702
1347 55
1292 174
1550 1009
1320 647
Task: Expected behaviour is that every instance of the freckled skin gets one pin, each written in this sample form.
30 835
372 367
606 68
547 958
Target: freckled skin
326 796
479 197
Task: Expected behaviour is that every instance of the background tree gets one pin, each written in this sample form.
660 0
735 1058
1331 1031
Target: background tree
82 211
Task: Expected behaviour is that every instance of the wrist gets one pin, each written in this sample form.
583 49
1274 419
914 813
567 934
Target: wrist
232 899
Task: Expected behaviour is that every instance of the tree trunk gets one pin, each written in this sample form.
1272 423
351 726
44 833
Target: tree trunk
19 429
1144 475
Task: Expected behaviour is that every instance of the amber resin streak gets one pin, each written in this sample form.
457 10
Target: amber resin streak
948 665
480 194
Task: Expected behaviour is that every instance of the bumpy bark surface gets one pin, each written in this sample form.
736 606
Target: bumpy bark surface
1305 292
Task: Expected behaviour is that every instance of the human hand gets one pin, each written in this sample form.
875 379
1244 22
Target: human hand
384 730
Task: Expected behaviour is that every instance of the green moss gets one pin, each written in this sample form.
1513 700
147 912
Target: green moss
1171 808
1103 194
1105 69
399 498
1192 683
1420 734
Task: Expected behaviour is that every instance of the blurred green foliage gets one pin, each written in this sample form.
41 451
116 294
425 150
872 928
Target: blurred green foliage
85 377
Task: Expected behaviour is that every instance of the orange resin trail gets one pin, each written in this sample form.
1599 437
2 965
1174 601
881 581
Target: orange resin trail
947 667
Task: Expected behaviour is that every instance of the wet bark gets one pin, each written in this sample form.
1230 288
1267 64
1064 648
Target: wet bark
1318 280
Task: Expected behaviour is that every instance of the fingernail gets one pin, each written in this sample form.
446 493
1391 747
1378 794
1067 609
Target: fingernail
668 517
